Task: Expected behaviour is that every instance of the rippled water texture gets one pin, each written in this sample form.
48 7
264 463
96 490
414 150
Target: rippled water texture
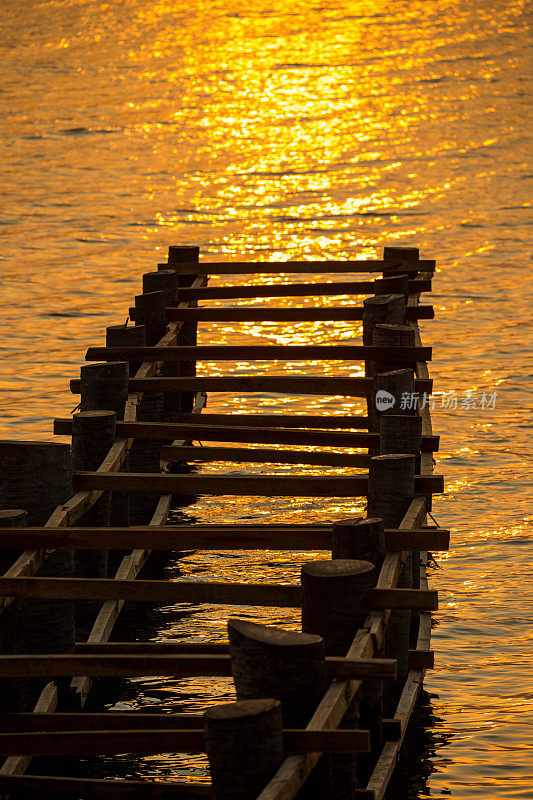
297 130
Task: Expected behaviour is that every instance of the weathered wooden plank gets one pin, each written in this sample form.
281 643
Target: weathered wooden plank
45 786
263 456
267 352
275 420
213 537
177 665
257 594
241 485
272 384
90 721
283 314
246 434
149 742
300 267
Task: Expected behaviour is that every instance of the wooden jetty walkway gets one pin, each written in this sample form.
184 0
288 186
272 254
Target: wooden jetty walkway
321 713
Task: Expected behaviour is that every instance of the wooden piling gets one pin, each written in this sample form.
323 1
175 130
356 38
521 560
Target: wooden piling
188 334
36 476
388 308
390 493
403 434
13 618
364 539
93 433
150 312
166 280
162 280
392 393
244 744
105 387
126 336
286 665
335 603
391 336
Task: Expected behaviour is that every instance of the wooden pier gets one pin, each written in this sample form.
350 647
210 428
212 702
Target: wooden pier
319 714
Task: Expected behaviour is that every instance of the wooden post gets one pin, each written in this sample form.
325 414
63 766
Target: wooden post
244 743
395 254
381 286
364 539
403 434
105 387
163 280
144 457
390 493
285 665
360 539
388 392
188 334
93 433
150 312
382 308
126 336
387 335
335 603
36 476
166 280
12 620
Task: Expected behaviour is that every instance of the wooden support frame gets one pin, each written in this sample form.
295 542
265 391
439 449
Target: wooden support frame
302 267
259 594
272 384
246 434
212 537
267 352
247 485
177 665
269 313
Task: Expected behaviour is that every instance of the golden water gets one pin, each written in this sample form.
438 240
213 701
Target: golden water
304 130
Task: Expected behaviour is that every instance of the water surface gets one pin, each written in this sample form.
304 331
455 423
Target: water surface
297 131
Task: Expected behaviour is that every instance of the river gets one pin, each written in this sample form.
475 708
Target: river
266 131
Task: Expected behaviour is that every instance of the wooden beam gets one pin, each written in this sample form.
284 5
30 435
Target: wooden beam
213 537
301 267
43 787
246 434
241 485
357 422
176 665
421 659
283 314
149 742
257 594
268 352
263 456
272 384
